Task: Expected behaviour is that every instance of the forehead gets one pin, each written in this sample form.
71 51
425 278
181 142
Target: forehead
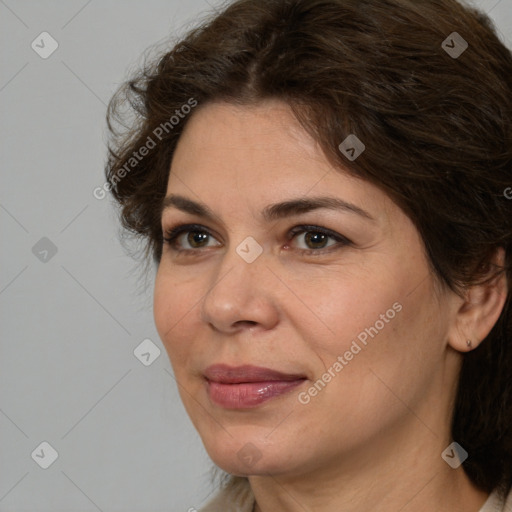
261 154
250 134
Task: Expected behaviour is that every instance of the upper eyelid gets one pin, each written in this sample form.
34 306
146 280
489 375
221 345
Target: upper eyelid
180 228
304 228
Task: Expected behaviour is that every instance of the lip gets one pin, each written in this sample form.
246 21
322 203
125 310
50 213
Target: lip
247 386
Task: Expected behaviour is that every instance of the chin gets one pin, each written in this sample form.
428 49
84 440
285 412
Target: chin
248 452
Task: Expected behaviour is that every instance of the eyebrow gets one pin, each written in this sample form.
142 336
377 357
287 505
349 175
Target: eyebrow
272 212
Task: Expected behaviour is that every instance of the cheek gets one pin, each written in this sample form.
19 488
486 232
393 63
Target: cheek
380 352
356 306
386 320
390 341
174 302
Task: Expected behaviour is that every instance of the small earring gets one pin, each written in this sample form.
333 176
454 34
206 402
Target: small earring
468 343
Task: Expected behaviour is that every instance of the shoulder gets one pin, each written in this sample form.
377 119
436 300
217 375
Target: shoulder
507 506
498 501
236 496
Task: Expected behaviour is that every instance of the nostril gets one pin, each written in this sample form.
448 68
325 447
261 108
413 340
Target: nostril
248 323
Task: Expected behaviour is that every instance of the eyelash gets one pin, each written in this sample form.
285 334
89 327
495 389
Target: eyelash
172 234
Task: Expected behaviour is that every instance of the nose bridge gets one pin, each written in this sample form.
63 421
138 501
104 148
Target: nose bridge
240 292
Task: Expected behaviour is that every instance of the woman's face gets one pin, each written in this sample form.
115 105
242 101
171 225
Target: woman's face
293 266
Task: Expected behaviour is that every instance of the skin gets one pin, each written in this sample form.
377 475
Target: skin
372 438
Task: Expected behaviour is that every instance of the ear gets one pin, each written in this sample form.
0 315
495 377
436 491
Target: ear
480 309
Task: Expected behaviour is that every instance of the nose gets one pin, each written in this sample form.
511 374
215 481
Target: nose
240 296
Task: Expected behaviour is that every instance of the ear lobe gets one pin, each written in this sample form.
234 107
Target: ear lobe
481 308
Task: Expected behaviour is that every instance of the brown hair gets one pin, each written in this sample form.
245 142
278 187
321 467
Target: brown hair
437 127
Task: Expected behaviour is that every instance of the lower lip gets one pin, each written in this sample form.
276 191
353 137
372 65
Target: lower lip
248 394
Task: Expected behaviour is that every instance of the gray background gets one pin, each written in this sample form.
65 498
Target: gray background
70 321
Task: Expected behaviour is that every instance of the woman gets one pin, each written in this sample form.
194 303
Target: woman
322 186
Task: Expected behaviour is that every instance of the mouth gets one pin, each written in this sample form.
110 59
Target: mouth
244 387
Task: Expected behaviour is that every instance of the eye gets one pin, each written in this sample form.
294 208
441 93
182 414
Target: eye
315 239
188 237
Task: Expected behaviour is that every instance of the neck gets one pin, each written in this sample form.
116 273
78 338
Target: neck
403 473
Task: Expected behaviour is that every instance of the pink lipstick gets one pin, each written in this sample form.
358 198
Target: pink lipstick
243 387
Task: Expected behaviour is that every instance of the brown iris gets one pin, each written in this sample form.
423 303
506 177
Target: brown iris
195 238
316 240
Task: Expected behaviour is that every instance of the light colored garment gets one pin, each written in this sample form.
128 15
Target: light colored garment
238 497
497 503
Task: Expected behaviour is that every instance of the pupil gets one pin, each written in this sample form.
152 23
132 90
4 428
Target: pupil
195 238
316 239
